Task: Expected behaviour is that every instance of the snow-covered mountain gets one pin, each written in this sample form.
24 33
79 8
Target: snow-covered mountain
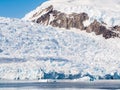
102 10
99 16
30 51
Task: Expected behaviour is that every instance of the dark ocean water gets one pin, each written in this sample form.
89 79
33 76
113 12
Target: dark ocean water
90 85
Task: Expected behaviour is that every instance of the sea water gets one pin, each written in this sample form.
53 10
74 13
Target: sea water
60 85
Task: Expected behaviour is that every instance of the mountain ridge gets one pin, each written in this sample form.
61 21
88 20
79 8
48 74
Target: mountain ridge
93 10
82 20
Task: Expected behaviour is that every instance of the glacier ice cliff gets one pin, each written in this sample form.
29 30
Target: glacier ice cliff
29 51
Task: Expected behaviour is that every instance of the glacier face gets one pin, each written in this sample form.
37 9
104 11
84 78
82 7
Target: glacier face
29 51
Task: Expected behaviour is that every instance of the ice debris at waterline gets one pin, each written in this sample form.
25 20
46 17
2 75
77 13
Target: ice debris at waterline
49 70
30 52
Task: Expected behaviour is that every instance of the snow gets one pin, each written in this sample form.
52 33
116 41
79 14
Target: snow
106 11
31 51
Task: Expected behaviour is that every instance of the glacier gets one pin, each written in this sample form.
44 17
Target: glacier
29 51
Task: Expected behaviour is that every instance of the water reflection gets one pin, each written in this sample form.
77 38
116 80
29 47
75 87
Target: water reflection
28 88
94 85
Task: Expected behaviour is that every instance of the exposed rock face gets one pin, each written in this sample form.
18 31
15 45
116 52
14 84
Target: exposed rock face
110 34
74 20
116 28
49 16
98 28
62 20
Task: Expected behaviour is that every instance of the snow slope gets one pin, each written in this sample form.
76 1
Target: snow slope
29 51
107 11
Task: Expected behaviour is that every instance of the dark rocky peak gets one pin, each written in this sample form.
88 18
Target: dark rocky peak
49 16
43 12
99 29
62 20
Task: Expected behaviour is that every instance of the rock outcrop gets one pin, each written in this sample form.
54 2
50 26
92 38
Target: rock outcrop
62 20
116 28
98 28
55 18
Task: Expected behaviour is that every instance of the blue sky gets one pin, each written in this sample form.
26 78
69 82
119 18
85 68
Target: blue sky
17 8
